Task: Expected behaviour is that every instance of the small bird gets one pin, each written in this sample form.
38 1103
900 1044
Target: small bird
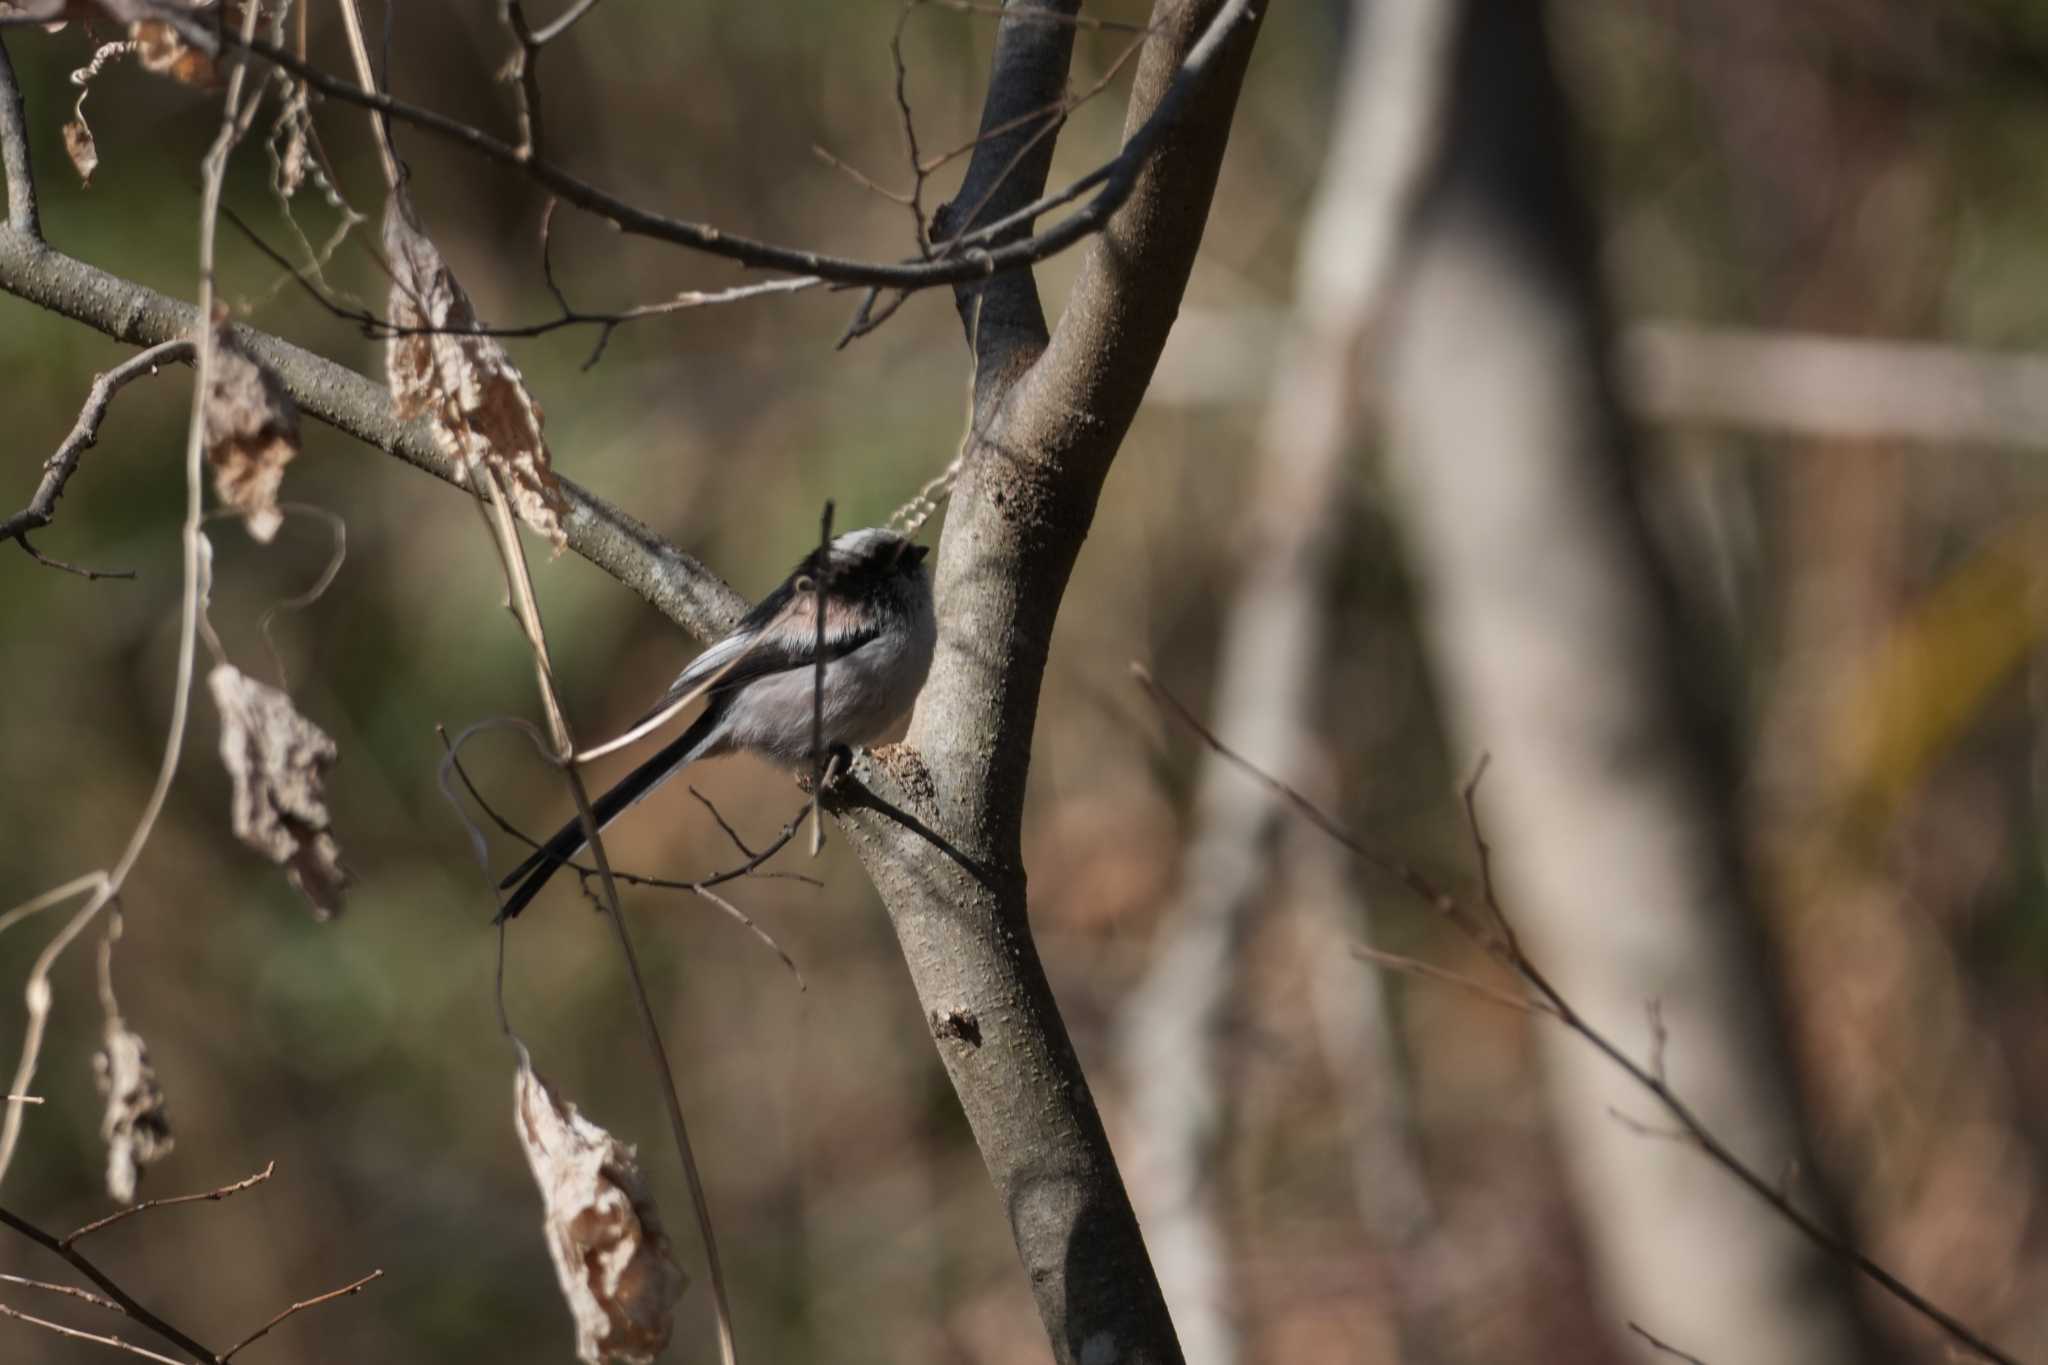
880 631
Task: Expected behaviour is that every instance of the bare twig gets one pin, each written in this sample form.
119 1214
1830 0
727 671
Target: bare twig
355 1287
520 585
380 328
1417 882
58 469
120 1296
1663 1347
676 584
206 1196
352 22
61 1330
68 1290
1110 183
750 866
523 70
300 601
918 174
234 121
453 762
547 33
1505 949
1428 971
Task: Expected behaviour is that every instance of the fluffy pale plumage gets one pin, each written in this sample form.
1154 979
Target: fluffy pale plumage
880 632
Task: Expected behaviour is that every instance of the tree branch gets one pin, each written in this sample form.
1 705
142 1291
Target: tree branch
114 1291
1027 495
677 585
58 469
21 181
1003 318
972 258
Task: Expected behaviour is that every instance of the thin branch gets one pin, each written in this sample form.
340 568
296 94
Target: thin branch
1417 882
233 123
567 20
379 328
58 469
301 1306
1079 21
920 228
68 1290
523 70
1507 950
114 1291
1663 1347
974 259
1429 971
676 584
520 585
207 1196
352 23
61 1330
751 866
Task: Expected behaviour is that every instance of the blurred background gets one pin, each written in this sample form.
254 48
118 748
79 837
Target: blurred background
1861 557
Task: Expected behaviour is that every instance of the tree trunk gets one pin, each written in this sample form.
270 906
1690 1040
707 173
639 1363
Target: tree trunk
1559 651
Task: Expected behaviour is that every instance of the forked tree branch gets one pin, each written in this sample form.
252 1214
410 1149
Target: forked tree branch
937 820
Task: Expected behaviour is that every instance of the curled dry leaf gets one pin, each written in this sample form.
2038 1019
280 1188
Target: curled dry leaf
78 139
83 151
603 1231
464 384
136 1128
279 761
161 48
252 432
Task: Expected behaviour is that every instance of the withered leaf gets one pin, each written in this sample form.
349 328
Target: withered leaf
162 48
252 432
136 1127
83 151
465 385
603 1231
279 760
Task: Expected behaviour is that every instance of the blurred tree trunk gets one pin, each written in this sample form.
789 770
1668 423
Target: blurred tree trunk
1171 1034
1559 650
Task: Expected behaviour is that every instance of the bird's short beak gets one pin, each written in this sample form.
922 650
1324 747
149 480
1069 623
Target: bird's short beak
916 553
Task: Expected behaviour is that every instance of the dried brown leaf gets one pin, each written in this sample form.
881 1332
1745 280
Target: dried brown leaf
161 48
83 151
279 761
136 1128
252 433
603 1231
292 140
465 385
78 139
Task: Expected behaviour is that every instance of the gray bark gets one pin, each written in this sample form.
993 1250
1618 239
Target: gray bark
1051 413
1559 651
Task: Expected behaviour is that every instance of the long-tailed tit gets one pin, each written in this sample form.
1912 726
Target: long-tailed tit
879 634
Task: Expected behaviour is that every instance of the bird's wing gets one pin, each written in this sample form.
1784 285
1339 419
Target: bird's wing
753 650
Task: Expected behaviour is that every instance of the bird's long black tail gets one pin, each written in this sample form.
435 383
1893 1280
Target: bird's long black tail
529 877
